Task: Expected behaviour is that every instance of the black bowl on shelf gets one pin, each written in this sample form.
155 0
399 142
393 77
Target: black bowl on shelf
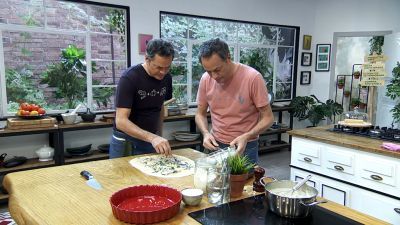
79 150
15 161
88 116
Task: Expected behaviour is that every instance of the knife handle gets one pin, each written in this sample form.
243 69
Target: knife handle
86 174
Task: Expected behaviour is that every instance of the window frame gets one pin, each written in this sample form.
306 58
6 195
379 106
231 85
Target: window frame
238 45
87 34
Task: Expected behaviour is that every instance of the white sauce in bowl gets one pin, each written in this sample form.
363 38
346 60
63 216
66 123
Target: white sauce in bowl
192 192
287 192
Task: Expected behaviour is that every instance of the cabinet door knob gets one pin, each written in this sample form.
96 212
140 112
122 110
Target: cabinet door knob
397 210
307 159
339 168
376 177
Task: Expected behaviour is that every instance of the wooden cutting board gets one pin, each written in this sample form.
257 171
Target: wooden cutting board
18 123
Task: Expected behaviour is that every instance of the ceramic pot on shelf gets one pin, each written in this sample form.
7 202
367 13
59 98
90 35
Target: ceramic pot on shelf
45 153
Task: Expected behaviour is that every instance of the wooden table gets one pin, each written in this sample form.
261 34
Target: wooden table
59 195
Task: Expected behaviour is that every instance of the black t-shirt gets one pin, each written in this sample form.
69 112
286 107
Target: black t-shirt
144 95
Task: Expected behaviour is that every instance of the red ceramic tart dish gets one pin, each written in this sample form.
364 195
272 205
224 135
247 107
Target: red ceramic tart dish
145 204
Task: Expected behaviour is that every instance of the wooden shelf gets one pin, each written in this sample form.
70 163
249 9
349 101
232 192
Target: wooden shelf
28 165
275 145
275 131
96 155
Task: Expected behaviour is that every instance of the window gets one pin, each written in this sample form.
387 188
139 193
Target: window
271 49
61 53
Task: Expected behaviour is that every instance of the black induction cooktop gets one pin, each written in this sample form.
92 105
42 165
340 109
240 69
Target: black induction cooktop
254 211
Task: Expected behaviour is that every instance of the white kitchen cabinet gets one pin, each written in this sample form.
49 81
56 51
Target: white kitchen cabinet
362 180
368 202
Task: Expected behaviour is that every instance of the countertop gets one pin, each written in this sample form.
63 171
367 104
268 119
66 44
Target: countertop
59 195
346 140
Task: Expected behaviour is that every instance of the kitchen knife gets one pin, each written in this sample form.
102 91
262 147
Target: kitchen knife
90 180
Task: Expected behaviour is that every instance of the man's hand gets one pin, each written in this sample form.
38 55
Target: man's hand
209 142
161 145
240 143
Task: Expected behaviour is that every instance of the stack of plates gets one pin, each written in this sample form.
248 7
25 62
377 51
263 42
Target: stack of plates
79 151
185 136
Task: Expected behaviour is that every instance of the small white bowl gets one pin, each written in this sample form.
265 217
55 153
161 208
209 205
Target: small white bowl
192 196
69 118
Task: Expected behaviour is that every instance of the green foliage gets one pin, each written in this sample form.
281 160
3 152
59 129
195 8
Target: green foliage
69 76
258 59
355 102
178 70
20 88
375 45
393 91
116 20
340 81
305 107
102 95
239 164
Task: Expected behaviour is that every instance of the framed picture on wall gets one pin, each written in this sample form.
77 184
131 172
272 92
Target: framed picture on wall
307 42
323 56
143 40
306 58
305 77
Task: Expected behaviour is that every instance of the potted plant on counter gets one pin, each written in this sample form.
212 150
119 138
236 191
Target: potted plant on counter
355 102
306 107
240 167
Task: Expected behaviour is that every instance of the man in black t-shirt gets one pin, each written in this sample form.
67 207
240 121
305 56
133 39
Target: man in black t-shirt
141 93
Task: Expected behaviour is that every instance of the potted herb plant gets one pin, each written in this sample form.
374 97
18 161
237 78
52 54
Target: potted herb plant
362 105
340 83
240 167
306 107
346 93
356 74
355 102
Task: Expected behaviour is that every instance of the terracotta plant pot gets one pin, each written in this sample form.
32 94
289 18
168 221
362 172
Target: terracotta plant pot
356 75
237 184
362 105
340 86
346 94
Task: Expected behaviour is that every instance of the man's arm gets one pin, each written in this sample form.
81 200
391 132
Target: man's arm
266 120
202 123
123 123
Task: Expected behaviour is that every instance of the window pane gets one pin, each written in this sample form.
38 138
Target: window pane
200 29
103 98
284 73
27 56
261 59
226 30
285 55
108 72
22 12
283 91
180 92
108 47
178 72
250 33
66 15
180 49
269 35
173 26
286 36
107 20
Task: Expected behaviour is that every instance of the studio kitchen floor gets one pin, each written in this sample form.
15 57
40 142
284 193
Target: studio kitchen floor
276 164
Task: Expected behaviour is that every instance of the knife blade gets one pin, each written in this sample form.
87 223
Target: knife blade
91 181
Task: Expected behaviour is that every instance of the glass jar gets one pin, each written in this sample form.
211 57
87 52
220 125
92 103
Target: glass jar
354 117
200 172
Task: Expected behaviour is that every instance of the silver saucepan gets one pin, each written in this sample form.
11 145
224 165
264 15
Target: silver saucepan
282 201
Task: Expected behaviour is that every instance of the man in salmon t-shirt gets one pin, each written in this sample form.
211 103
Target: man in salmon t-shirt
238 100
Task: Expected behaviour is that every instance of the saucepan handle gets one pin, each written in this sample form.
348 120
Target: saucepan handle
313 203
262 180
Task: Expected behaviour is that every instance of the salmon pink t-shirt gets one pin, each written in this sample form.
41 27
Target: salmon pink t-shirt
233 105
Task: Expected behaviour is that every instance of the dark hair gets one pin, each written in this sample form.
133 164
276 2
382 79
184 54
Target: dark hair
218 46
159 47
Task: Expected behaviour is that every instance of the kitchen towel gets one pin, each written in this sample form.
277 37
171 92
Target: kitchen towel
390 146
5 219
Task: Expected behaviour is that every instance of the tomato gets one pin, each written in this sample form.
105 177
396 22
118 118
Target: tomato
34 107
41 111
25 106
25 113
